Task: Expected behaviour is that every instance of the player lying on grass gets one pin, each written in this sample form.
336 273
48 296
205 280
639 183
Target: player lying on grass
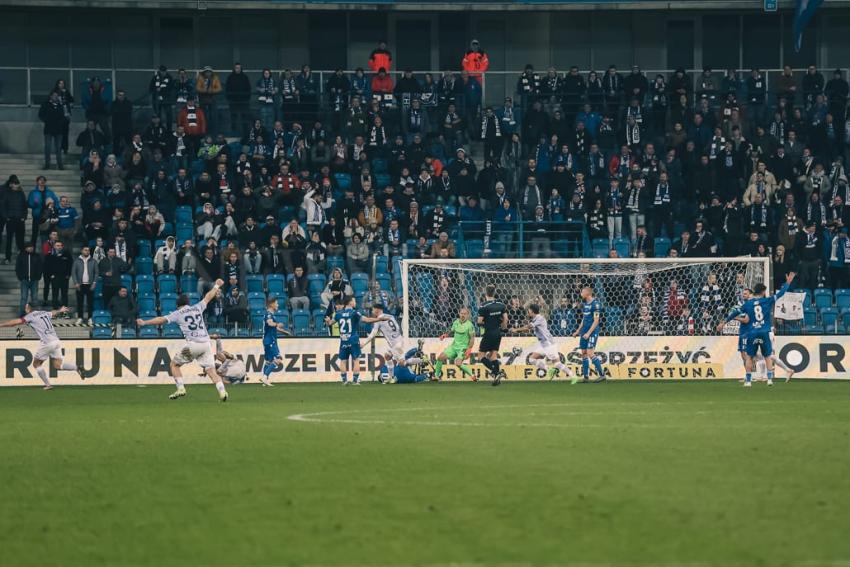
49 345
758 311
591 314
271 351
231 369
415 370
545 351
395 358
348 319
493 316
190 319
463 335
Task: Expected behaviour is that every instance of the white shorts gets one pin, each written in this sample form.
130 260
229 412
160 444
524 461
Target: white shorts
395 352
49 350
199 352
549 352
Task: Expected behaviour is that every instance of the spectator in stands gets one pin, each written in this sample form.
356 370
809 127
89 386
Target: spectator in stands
91 139
357 254
209 270
839 257
297 287
165 259
85 274
36 201
208 87
52 113
97 101
111 269
235 305
13 203
162 90
57 270
28 269
238 92
380 58
122 306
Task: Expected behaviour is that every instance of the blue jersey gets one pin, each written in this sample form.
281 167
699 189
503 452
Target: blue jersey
760 312
743 328
590 310
270 328
348 321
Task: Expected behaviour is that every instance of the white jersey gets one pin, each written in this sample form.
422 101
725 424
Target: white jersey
541 330
389 327
232 368
190 319
42 323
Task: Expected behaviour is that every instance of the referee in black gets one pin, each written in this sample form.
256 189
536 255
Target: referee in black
493 315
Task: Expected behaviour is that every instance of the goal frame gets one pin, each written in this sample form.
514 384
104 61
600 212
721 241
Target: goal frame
408 262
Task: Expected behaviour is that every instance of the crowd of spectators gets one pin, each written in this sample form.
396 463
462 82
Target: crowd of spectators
380 164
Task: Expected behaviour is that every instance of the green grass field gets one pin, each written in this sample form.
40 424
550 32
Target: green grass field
526 474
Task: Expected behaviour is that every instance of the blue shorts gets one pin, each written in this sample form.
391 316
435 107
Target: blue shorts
742 343
347 351
271 351
589 342
759 342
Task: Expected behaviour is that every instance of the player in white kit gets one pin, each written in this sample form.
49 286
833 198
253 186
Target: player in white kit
231 369
546 351
190 319
388 326
49 345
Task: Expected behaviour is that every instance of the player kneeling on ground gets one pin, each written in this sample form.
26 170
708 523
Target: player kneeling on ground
49 345
463 336
190 319
546 351
395 359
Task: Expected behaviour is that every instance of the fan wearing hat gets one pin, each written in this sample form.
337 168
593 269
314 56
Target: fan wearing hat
208 87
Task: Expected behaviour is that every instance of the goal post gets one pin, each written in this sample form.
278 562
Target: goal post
639 296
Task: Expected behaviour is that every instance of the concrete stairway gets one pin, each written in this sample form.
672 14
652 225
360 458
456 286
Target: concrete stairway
27 167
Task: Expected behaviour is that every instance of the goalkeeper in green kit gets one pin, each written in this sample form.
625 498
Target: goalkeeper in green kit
463 336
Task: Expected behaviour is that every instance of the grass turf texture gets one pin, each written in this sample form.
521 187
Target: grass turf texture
542 473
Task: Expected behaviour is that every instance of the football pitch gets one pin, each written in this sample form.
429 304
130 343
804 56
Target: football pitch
694 474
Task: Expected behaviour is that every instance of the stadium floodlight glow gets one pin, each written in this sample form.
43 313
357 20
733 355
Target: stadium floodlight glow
707 287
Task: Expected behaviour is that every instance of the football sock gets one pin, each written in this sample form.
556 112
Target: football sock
438 368
488 364
749 377
390 366
343 376
356 377
178 382
761 367
219 386
780 364
585 367
268 368
561 366
597 365
496 366
67 366
42 373
410 361
540 363
465 369
770 375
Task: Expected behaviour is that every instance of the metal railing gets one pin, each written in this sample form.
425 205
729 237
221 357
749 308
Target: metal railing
37 82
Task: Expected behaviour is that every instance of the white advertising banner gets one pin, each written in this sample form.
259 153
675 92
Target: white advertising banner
135 362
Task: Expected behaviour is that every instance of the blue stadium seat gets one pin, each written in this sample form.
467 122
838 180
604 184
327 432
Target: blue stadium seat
812 330
172 331
127 281
336 262
188 283
319 321
257 324
301 322
810 315
183 215
194 297
382 180
845 317
144 284
842 298
145 249
359 283
147 302
149 332
282 316
823 298
315 283
255 283
661 247
623 247
221 331
167 303
167 230
184 232
276 284
474 248
167 283
102 333
147 314
256 300
379 166
128 333
102 317
343 180
144 266
382 265
599 247
385 281
829 316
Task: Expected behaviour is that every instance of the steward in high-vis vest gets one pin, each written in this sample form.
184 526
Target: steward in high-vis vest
475 61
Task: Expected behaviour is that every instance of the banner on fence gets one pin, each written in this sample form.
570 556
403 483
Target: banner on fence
315 360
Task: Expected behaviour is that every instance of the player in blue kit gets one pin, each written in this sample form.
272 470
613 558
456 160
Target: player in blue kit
271 350
588 330
348 320
737 314
758 312
402 374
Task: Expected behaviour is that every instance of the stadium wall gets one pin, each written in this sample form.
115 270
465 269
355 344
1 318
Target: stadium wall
145 362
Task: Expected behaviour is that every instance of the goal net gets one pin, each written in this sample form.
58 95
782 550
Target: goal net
640 297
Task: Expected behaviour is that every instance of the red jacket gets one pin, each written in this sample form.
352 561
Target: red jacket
196 128
380 85
476 63
380 59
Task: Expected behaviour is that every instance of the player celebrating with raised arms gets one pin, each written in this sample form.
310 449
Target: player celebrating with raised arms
272 358
591 315
348 319
395 358
49 345
758 311
190 319
493 316
463 335
546 351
